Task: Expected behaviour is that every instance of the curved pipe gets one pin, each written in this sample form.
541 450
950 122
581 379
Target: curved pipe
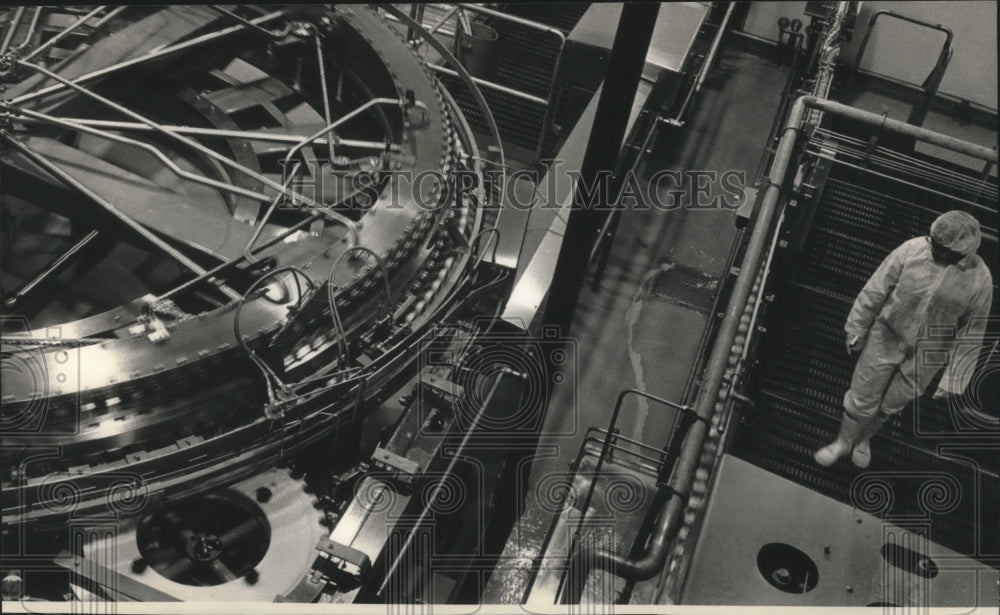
652 560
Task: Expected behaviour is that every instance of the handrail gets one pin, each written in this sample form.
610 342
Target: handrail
638 443
492 86
609 437
649 563
678 120
871 22
593 439
549 99
933 80
443 20
611 427
475 8
926 135
929 88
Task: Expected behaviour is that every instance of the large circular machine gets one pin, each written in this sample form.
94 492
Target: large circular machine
224 230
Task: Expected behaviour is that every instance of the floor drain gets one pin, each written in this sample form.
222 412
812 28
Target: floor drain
686 286
787 568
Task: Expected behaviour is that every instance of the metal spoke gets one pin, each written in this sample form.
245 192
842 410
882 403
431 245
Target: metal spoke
51 269
186 135
274 36
72 182
14 22
227 134
69 30
222 571
179 567
199 179
239 533
248 254
326 95
329 129
259 228
295 197
153 55
31 29
236 261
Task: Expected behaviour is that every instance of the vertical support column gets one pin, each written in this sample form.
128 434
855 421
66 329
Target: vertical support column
628 56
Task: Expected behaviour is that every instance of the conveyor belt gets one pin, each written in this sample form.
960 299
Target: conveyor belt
803 372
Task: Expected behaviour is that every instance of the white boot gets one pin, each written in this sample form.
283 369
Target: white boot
850 429
829 454
861 455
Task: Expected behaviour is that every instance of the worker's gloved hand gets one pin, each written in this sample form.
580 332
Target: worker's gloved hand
854 344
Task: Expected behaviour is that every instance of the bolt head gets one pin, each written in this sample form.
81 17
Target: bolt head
252 577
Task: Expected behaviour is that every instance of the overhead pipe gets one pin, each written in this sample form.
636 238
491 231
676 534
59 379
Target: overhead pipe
651 561
908 130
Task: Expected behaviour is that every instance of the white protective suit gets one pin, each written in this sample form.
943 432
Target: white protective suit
913 297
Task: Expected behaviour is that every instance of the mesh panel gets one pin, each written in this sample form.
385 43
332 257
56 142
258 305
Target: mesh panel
687 287
526 62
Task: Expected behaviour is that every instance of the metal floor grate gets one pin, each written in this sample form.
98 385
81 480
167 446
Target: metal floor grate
685 286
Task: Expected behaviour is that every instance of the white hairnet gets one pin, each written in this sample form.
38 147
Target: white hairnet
958 231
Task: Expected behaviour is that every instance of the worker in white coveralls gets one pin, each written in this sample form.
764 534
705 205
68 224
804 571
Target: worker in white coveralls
934 283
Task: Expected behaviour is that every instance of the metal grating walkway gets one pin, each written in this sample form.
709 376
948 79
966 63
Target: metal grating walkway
929 462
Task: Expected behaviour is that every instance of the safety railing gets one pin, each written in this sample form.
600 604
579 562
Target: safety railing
456 15
662 463
713 51
930 85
